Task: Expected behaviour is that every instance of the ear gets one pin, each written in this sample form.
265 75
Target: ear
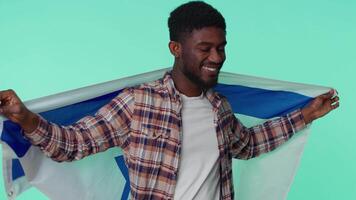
175 48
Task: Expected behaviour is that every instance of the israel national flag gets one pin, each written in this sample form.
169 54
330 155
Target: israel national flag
105 176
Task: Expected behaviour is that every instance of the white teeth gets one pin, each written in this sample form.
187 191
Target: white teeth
212 69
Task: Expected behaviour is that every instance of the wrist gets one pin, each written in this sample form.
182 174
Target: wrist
30 122
307 115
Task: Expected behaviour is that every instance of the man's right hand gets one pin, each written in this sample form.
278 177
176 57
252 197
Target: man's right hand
12 108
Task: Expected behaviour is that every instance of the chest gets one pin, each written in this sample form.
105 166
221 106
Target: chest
157 131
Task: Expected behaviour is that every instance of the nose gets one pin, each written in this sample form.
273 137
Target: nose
217 56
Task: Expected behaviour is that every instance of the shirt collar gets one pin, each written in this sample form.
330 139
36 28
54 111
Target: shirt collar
213 97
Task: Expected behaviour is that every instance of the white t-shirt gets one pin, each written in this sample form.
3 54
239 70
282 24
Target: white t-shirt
198 173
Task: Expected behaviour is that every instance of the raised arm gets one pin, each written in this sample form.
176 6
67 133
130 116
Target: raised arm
109 127
247 143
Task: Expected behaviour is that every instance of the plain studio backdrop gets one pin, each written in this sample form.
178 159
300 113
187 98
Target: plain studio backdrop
48 47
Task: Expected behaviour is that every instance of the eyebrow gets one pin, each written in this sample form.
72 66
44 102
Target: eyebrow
209 43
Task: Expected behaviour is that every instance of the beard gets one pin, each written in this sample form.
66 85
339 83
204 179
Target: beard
198 80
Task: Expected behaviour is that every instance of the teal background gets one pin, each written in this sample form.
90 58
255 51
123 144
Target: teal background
48 47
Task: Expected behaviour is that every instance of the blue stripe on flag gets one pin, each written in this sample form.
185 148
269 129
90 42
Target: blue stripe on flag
125 172
261 103
17 170
12 135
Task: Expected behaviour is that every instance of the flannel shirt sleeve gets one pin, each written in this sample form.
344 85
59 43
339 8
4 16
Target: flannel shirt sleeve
109 127
251 142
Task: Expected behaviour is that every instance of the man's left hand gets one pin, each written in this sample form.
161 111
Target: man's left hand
320 106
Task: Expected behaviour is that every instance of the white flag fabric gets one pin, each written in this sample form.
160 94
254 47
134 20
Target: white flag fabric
105 176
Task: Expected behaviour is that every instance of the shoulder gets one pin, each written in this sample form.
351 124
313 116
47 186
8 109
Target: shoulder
155 88
146 93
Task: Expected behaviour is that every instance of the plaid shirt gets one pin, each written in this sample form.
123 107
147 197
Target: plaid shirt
146 122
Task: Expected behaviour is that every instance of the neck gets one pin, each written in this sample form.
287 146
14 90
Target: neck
183 84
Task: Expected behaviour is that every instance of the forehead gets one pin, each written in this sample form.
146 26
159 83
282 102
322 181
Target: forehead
211 35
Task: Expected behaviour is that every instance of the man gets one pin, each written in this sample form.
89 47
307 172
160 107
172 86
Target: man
178 135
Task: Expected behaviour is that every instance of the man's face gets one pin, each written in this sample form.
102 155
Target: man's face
203 54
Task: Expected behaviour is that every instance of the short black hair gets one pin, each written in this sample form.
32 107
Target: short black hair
191 16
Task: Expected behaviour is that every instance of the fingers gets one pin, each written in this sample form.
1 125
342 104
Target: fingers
6 93
331 100
6 96
335 99
334 102
334 106
327 102
335 92
328 95
10 109
8 102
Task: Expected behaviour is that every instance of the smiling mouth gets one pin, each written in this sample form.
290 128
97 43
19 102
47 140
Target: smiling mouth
211 69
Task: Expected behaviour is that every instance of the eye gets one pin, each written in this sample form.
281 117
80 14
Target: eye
204 49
